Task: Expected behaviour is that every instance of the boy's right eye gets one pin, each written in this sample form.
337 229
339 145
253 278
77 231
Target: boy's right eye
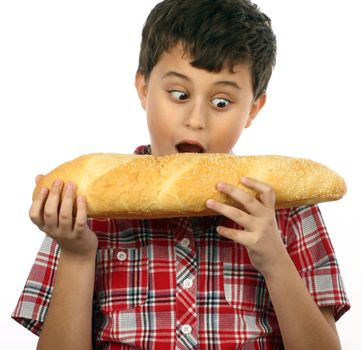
179 95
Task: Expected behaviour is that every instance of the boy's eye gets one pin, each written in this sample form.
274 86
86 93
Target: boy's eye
220 102
179 95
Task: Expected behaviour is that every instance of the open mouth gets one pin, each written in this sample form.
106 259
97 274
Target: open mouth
189 147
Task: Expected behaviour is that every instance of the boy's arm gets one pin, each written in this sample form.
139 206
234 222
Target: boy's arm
328 314
68 323
302 324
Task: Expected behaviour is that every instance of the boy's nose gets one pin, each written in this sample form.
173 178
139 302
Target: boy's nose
196 117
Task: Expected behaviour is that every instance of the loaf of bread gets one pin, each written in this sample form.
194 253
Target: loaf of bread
145 186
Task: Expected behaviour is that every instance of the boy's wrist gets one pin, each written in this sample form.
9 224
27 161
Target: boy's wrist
283 265
85 259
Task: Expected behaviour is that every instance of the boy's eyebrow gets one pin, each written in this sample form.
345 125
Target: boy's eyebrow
228 83
176 74
184 77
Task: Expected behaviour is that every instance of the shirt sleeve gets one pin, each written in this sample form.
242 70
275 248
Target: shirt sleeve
311 250
34 300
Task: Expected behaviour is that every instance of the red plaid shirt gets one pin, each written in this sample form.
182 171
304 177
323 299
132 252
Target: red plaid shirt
177 284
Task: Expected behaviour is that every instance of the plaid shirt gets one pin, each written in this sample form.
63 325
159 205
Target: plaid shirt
177 284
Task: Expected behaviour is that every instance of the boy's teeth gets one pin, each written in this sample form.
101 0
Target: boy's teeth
189 148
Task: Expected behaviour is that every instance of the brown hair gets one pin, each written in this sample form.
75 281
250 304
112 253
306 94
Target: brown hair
214 33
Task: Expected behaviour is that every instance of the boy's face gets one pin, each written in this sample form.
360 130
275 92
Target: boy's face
192 110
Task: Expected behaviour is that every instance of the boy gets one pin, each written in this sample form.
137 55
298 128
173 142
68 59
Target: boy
253 279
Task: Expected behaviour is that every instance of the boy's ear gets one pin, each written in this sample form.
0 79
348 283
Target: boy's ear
141 87
257 105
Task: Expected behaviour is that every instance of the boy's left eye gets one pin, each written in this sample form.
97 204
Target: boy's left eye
178 95
220 102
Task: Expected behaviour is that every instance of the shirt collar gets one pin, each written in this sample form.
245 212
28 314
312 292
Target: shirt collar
143 150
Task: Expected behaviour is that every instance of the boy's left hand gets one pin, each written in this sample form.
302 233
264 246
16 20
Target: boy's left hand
261 235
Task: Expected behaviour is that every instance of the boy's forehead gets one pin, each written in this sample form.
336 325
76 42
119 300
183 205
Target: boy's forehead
177 57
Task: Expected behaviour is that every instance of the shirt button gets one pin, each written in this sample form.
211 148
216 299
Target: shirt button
186 329
187 283
185 242
121 256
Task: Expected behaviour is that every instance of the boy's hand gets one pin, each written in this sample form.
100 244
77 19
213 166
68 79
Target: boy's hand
260 236
54 216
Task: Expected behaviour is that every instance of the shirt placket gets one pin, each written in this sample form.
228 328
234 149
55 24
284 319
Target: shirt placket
186 287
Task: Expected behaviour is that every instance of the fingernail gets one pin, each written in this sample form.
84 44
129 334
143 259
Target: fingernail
70 186
245 179
210 203
57 182
43 190
221 186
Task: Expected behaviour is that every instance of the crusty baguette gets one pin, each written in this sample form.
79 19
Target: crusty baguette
144 186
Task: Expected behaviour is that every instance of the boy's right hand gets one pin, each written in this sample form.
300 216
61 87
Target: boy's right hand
54 216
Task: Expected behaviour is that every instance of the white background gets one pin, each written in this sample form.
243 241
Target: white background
66 88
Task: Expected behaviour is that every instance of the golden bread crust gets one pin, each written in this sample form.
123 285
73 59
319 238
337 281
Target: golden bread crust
145 186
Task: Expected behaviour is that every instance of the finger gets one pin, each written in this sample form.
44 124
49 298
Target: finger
234 214
80 224
265 192
52 205
36 211
66 208
249 202
239 236
38 178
